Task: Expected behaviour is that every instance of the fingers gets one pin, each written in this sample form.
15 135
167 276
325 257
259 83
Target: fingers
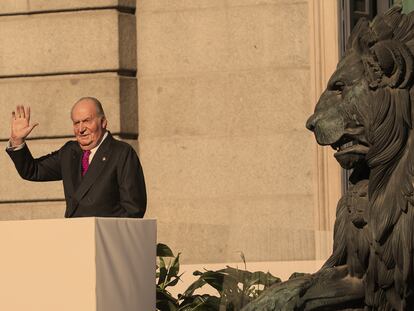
17 112
27 113
21 112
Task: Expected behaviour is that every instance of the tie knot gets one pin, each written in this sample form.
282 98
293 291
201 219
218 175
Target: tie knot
86 153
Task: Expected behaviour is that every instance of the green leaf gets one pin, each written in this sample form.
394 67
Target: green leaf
163 272
164 251
235 287
239 275
217 279
195 285
244 260
214 278
174 281
165 301
174 268
200 303
166 306
165 295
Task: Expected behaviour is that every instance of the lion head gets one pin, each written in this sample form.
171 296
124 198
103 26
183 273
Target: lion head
365 111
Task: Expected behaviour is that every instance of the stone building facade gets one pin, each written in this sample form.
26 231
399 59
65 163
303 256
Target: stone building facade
214 96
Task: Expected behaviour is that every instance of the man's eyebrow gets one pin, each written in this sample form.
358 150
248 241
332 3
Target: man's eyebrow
83 120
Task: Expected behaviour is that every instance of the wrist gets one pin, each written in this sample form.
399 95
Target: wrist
14 142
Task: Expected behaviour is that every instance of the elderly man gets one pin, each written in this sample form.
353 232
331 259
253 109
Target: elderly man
101 176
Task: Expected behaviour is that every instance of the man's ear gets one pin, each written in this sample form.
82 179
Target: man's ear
104 122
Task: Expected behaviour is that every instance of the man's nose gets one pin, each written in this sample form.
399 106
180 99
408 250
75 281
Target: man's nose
82 127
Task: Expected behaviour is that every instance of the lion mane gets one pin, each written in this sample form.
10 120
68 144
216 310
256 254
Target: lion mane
386 48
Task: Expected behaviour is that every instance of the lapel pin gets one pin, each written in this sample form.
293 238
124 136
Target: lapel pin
104 159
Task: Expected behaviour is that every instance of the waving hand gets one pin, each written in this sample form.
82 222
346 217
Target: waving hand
20 125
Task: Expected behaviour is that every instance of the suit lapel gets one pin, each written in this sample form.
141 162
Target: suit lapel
95 168
75 178
75 167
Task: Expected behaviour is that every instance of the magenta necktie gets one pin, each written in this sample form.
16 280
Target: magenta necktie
85 161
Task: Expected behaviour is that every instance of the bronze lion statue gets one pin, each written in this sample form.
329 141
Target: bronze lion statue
366 115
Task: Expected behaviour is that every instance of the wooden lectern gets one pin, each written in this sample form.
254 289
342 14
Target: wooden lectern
79 264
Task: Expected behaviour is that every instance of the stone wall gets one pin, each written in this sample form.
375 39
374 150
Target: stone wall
221 89
223 99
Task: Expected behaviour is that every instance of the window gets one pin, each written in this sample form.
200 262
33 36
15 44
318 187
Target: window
353 10
350 12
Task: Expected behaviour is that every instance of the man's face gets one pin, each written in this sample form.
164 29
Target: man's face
88 127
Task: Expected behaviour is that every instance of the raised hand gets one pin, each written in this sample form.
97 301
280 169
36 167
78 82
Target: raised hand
20 125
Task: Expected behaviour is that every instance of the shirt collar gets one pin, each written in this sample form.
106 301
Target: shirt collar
93 150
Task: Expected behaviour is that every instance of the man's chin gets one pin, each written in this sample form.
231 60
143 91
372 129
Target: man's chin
85 145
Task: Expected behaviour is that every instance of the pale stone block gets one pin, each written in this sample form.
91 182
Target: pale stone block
194 167
196 40
270 35
262 102
127 42
209 243
174 5
272 243
32 210
196 242
48 210
258 226
223 39
51 99
67 42
30 6
269 101
13 6
278 211
263 2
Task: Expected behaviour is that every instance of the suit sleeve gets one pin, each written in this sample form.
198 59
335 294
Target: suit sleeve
46 168
133 195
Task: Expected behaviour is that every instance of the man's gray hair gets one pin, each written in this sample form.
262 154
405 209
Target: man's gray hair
99 110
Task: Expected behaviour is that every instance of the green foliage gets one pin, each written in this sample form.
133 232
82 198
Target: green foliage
235 287
168 267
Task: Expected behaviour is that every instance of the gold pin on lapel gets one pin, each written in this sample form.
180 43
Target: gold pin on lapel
104 159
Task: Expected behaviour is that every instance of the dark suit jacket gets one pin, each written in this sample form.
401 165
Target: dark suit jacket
113 186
